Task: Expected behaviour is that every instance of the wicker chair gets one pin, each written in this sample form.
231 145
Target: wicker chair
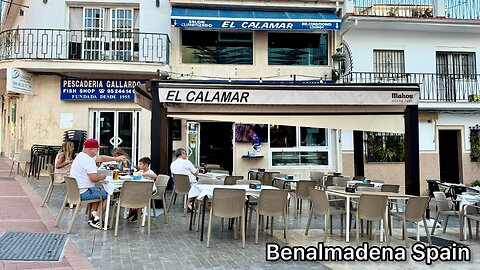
371 208
73 198
272 203
228 203
232 180
161 184
52 184
414 212
134 194
321 207
181 186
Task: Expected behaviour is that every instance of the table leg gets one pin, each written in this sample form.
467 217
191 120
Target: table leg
465 226
246 210
203 216
347 229
107 211
382 226
191 214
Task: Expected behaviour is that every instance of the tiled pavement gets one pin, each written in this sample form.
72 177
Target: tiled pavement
173 246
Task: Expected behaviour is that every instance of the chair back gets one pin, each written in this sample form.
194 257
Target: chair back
252 175
209 181
340 181
161 184
317 177
303 186
232 180
328 181
228 202
442 203
415 209
279 184
372 207
272 202
267 178
136 194
220 171
390 188
51 172
247 182
358 178
181 184
366 189
319 201
24 156
73 194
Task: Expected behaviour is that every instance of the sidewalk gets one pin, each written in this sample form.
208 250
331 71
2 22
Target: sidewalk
20 211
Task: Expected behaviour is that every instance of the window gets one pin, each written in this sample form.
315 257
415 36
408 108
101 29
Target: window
389 63
93 41
384 147
460 65
212 47
122 38
297 49
299 146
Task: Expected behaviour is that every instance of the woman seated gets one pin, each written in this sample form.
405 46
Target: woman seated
124 165
63 161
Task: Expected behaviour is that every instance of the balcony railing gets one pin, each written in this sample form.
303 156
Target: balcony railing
91 45
433 87
454 9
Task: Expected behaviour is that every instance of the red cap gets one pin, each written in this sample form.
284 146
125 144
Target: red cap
91 143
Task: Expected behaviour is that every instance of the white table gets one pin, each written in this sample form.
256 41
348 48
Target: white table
466 200
476 189
206 191
348 196
376 185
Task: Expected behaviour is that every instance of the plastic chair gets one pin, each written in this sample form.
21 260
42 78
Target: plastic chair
220 171
390 188
358 178
209 181
318 178
161 184
302 193
181 186
271 203
19 158
73 198
414 212
321 207
267 178
134 194
228 203
473 213
444 207
366 189
51 185
340 181
372 208
232 180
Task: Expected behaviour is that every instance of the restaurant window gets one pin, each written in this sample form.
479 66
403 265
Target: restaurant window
389 63
213 47
298 49
458 65
292 146
384 147
122 38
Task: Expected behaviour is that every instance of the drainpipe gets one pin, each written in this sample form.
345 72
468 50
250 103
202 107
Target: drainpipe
355 23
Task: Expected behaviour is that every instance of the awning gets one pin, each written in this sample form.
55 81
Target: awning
254 20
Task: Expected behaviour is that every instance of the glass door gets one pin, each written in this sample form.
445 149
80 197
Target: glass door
193 142
115 129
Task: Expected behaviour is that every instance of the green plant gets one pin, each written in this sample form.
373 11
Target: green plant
475 145
476 183
384 147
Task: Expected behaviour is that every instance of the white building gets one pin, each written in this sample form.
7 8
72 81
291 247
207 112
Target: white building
437 45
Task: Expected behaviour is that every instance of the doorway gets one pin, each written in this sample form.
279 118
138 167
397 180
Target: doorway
450 151
114 129
216 145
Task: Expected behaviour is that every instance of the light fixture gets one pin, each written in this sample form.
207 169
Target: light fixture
157 3
338 57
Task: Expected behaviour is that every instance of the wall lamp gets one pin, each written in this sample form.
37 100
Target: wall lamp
157 3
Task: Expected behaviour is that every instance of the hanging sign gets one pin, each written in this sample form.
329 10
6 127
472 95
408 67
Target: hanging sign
19 81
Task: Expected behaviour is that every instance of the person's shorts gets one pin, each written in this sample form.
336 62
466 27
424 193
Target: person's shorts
92 194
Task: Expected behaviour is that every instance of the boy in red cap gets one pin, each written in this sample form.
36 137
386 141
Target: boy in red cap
84 170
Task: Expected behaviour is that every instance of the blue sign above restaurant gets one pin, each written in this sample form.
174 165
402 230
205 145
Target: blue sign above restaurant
98 89
254 19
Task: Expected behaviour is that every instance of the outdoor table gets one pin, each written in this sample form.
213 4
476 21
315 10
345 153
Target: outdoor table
348 196
453 190
204 192
210 175
352 183
466 200
474 189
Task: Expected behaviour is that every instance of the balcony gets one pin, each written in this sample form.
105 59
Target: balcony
453 9
87 45
433 87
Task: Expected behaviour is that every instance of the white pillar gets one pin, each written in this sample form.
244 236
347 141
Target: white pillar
439 9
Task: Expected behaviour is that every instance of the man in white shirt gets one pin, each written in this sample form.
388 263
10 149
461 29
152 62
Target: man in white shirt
84 170
183 166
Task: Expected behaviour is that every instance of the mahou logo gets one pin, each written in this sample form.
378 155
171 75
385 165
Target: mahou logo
402 97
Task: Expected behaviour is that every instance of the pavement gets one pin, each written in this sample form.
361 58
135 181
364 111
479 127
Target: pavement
173 246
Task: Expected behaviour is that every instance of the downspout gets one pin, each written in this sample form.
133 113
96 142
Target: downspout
348 29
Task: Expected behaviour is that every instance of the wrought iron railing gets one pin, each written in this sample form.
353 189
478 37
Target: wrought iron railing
433 87
454 9
91 45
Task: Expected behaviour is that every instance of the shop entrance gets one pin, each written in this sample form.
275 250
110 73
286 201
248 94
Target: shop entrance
216 145
450 155
114 128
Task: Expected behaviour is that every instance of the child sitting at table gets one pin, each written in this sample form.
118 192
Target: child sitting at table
147 174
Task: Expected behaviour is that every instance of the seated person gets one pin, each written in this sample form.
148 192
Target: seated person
147 174
125 164
63 161
183 166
